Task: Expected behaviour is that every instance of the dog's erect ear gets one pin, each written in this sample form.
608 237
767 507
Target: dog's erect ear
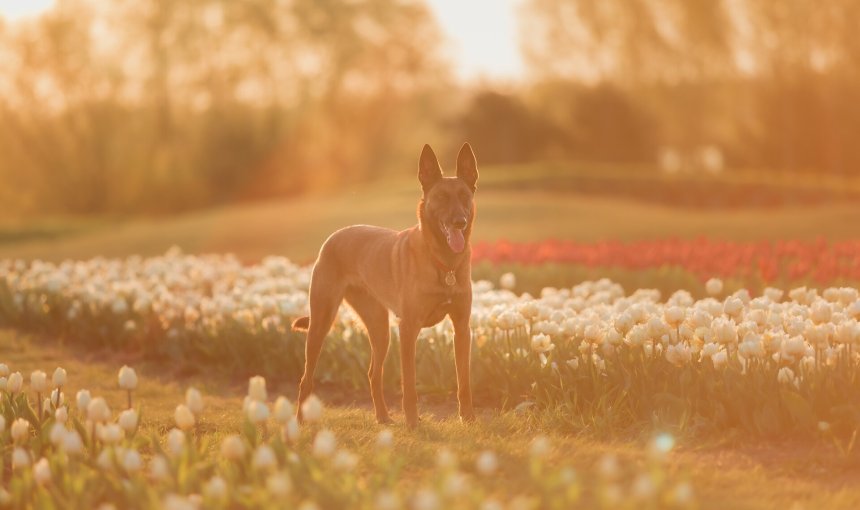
467 166
429 171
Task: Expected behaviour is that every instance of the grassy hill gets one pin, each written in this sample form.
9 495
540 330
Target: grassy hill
515 203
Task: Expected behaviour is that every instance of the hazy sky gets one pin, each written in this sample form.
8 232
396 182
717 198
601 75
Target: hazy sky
483 33
483 36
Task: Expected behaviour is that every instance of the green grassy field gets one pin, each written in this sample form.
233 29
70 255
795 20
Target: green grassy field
516 204
729 473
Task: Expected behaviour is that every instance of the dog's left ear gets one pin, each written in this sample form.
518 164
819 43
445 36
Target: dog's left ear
467 166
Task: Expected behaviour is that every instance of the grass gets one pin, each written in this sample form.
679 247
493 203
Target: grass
733 473
508 208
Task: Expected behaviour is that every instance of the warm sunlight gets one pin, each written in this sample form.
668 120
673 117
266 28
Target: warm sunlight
429 254
14 10
483 37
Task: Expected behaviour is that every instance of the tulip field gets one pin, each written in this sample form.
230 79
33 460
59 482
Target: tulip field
593 359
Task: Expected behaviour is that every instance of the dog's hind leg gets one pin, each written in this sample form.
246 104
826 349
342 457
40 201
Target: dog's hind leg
326 294
375 318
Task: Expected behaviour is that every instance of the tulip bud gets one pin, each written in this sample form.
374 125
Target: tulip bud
184 417
98 410
487 463
83 400
257 389
20 459
194 401
59 377
42 472
128 420
283 410
258 412
264 458
175 442
127 378
20 430
233 448
39 381
15 383
324 444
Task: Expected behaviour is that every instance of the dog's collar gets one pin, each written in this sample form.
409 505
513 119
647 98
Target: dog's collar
450 276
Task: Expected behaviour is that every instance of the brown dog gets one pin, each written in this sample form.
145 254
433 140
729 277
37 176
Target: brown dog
421 274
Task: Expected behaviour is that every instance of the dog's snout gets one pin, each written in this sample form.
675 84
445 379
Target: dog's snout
459 222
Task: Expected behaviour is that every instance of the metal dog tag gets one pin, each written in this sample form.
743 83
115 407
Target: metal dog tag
450 279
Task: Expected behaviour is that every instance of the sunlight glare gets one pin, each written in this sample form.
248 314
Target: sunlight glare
14 10
484 37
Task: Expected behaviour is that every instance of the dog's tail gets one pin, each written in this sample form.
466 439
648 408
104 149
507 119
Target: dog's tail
301 324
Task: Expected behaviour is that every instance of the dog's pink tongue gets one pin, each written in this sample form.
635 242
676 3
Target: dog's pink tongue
456 240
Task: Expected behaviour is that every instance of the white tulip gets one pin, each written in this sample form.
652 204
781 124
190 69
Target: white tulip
215 488
159 469
4 370
131 461
57 434
487 463
540 447
3 383
42 472
175 442
233 448
39 381
184 417
264 458
385 439
20 430
324 444
714 286
15 383
291 430
720 359
128 420
257 388
258 412
279 484
72 443
98 410
127 378
110 433
83 400
283 410
312 409
344 460
508 281
20 458
59 377
194 401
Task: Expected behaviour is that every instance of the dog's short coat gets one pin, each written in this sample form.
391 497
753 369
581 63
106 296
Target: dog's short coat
421 274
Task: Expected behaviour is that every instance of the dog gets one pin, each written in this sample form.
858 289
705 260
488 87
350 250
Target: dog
422 274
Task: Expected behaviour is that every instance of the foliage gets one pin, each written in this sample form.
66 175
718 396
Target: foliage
80 455
611 361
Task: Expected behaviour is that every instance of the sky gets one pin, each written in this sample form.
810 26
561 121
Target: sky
482 34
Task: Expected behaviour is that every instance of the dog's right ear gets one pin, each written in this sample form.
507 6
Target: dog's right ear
429 171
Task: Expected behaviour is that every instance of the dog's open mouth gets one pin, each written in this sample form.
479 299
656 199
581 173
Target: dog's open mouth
455 238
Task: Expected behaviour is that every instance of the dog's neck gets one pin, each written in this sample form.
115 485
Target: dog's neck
438 247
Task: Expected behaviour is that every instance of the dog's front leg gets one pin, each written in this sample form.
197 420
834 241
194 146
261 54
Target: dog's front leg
462 357
408 339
